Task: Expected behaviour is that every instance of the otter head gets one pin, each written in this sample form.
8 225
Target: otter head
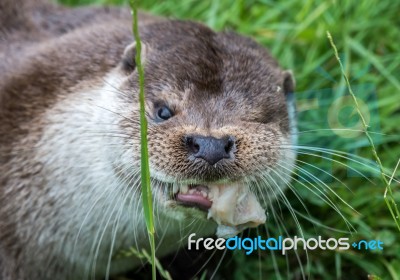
219 130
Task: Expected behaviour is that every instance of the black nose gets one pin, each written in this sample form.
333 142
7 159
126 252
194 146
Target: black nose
209 148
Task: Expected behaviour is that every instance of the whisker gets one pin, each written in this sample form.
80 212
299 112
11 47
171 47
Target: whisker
100 233
341 163
324 197
115 227
345 155
342 129
329 174
326 186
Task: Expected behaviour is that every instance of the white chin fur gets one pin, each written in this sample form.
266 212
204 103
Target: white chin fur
95 206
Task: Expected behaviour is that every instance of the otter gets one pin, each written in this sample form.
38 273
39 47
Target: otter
218 106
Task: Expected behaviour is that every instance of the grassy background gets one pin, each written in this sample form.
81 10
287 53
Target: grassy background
367 36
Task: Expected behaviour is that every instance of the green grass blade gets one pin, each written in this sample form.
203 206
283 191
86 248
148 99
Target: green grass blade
144 155
143 255
389 197
374 60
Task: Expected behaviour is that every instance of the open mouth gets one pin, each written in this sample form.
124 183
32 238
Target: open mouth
192 195
232 206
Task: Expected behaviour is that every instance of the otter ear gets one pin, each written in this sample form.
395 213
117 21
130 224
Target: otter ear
289 82
128 63
289 85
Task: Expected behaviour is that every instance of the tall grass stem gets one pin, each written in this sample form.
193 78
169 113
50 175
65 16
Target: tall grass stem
144 155
388 195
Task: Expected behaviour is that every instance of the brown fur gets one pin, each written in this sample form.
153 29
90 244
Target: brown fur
217 84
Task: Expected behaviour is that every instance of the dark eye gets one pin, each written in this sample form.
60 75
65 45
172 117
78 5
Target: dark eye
164 113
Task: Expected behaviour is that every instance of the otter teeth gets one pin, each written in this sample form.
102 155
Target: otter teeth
184 189
193 189
175 188
202 192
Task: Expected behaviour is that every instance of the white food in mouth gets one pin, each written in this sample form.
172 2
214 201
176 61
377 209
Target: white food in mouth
232 205
234 208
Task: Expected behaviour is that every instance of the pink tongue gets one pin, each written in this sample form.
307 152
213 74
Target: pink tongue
195 199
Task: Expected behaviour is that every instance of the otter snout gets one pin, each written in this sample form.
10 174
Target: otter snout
209 148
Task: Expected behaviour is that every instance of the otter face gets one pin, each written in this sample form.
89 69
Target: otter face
218 125
217 116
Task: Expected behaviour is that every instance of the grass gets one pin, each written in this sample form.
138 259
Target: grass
147 200
390 201
367 38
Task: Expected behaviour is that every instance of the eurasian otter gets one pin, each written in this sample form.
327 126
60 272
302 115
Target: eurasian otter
70 145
